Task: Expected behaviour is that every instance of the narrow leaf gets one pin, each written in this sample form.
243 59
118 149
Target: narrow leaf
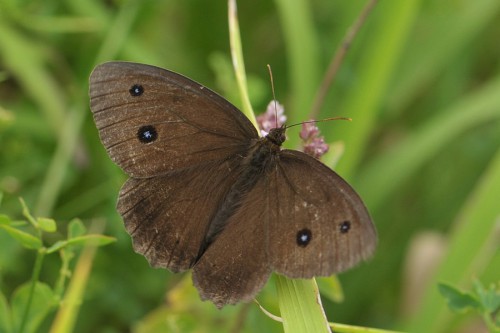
27 240
300 306
5 316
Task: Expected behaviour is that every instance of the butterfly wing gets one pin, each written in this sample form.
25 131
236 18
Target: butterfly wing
318 225
153 121
180 142
235 267
168 216
297 197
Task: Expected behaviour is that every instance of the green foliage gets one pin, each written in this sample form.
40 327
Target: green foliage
485 302
420 81
457 300
32 302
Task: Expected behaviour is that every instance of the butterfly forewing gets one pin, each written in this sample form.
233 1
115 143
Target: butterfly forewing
153 121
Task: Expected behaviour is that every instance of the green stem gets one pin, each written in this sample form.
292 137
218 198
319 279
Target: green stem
66 257
34 279
341 328
492 327
238 62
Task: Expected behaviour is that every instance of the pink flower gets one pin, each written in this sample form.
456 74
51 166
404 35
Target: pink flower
267 120
313 143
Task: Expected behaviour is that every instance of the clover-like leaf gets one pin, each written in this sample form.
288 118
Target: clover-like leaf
76 228
489 298
457 300
46 224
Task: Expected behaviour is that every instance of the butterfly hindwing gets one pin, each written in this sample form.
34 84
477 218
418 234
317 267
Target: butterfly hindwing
319 225
235 267
168 216
300 220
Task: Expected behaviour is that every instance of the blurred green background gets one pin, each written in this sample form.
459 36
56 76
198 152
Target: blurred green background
421 82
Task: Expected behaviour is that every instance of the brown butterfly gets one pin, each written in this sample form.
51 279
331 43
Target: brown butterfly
207 193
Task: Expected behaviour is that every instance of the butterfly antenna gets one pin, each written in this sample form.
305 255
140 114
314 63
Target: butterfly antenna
274 96
319 121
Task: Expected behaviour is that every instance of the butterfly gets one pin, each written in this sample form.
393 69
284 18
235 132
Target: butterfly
207 193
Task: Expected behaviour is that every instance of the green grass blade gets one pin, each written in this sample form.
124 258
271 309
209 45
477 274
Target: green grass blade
382 177
432 55
54 178
300 306
238 62
65 319
375 71
25 61
470 242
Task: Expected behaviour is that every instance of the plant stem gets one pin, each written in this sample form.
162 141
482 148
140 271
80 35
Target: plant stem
34 279
64 272
337 59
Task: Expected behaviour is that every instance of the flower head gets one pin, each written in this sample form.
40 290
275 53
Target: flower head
268 120
313 143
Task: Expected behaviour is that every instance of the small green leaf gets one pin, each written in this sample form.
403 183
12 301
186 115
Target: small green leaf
27 240
489 298
457 300
46 224
76 228
5 316
100 240
4 219
43 302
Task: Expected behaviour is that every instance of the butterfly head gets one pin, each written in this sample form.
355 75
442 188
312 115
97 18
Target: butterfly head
277 135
